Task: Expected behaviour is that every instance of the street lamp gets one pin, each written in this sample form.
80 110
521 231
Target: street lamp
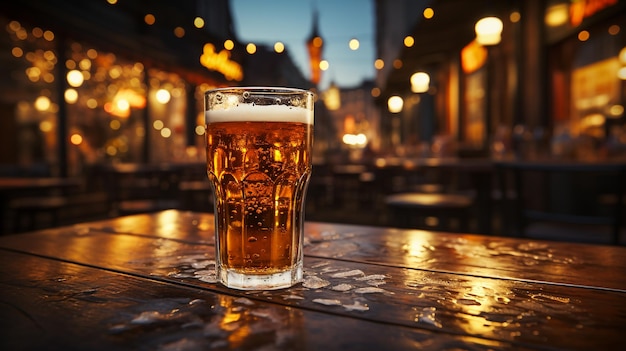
420 82
488 31
395 104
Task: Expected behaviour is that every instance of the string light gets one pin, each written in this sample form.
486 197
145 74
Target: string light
179 32
198 22
149 19
42 103
324 65
354 44
409 41
71 96
251 48
379 64
75 78
583 35
428 13
279 47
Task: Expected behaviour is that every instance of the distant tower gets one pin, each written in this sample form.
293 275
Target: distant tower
315 44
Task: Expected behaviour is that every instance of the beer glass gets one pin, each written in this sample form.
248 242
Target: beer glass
259 143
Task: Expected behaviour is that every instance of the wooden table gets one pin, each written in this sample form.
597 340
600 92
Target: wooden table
146 282
478 172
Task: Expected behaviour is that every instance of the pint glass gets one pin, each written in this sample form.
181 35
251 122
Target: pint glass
259 162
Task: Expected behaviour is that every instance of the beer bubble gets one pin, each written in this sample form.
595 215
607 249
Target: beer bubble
246 94
256 256
277 101
252 239
218 96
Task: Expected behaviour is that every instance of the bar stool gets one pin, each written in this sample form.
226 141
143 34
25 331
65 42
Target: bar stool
445 212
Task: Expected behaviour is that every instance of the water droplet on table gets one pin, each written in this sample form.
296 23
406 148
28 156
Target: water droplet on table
347 274
369 290
342 287
244 301
292 297
328 302
313 282
372 277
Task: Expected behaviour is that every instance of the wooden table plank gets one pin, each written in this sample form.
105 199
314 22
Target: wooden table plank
487 256
56 305
523 313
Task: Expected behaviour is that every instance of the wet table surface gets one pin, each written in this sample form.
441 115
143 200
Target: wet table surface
147 282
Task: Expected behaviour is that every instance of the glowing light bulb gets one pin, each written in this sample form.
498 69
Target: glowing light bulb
75 78
163 96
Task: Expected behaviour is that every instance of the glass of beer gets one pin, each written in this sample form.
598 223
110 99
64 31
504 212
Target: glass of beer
259 142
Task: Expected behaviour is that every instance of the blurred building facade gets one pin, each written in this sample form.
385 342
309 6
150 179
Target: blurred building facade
355 119
105 81
557 72
89 82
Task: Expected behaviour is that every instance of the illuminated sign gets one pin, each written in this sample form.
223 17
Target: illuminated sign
220 62
473 57
581 9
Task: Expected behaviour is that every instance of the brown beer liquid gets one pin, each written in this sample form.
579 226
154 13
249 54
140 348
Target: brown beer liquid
259 172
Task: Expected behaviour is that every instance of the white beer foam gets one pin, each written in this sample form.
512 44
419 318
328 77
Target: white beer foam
260 113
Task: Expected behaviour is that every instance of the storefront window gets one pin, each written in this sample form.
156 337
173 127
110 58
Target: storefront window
28 103
587 93
105 99
111 108
167 99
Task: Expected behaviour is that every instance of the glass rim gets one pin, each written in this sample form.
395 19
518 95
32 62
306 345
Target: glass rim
264 89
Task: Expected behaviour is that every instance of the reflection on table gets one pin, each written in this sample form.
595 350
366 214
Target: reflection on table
148 282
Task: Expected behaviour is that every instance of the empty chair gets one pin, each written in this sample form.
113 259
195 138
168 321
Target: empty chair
141 188
563 200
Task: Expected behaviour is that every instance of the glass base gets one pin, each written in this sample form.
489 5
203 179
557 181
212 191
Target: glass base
236 280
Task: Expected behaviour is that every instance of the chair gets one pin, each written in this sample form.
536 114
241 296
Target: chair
562 200
28 212
140 188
